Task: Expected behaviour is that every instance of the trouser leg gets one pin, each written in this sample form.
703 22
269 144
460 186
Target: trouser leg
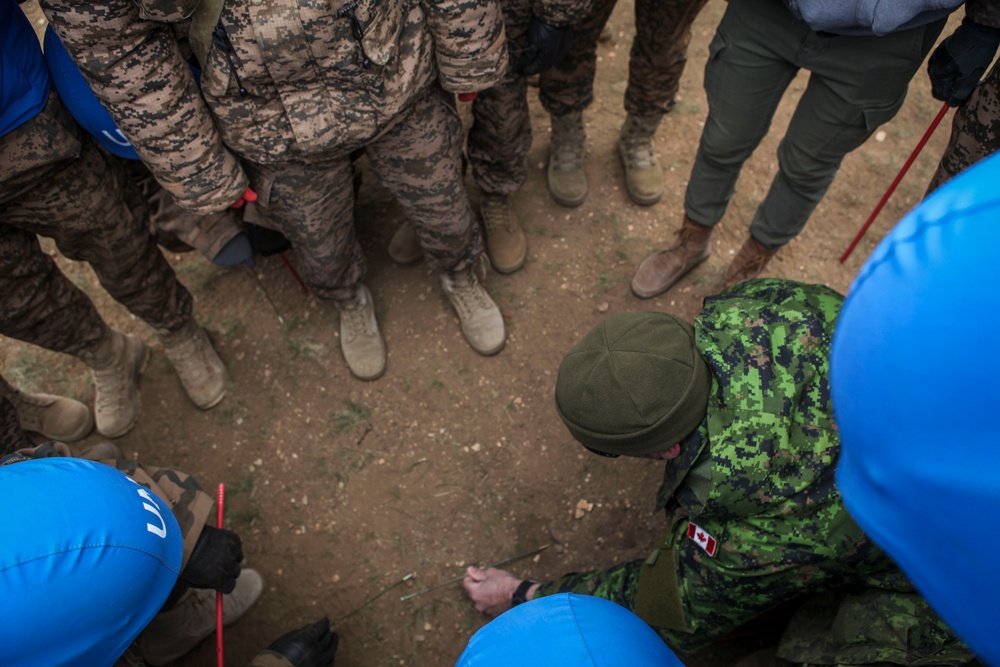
207 234
419 161
658 54
975 131
38 304
312 205
12 436
856 85
500 137
569 86
82 208
745 78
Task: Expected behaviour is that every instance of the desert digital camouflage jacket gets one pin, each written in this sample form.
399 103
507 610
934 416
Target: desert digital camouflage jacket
757 519
282 81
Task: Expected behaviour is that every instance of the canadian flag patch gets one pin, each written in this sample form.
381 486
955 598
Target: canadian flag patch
702 539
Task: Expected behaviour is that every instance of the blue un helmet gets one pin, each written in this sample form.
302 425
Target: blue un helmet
915 375
568 630
87 558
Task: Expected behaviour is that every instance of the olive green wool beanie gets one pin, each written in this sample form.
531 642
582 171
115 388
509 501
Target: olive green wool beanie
634 385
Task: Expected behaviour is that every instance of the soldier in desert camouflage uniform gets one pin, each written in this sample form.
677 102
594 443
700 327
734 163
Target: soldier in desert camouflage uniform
538 34
656 62
55 182
955 68
739 407
210 562
287 93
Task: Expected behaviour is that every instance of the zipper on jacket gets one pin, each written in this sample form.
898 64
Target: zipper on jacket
221 39
356 30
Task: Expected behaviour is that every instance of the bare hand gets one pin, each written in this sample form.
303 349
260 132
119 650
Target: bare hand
490 590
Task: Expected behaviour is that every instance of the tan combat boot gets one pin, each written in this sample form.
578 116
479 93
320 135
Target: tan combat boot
661 270
505 241
566 177
116 363
174 632
56 417
643 174
404 248
748 263
482 324
202 373
360 340
102 451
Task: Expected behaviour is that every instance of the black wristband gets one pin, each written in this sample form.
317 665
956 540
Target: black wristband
521 592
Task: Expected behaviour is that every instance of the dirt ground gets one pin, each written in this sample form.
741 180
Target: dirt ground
339 488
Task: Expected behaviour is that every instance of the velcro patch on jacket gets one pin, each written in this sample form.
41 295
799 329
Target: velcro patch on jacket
702 539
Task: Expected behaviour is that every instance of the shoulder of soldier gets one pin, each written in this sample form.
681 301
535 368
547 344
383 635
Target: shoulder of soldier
765 303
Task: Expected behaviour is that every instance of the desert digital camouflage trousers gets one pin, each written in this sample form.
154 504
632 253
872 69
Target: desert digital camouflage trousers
12 436
656 59
975 131
80 203
38 304
169 222
500 137
418 158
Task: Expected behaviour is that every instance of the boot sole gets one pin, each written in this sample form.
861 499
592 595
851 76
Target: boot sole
490 352
510 268
643 294
366 378
644 201
568 203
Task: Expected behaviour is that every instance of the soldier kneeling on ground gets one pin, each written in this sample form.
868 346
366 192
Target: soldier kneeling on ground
739 408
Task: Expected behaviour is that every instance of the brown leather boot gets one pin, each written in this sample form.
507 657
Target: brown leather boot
661 270
748 263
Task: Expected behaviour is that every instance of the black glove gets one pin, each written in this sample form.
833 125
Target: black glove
236 251
311 646
215 561
267 242
546 46
959 61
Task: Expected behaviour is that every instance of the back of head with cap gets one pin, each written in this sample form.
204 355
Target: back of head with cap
571 630
87 558
634 385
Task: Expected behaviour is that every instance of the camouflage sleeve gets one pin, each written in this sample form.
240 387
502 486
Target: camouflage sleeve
562 13
984 12
192 507
469 43
618 584
136 69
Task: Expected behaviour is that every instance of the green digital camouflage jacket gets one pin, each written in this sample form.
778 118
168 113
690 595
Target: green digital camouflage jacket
281 81
755 519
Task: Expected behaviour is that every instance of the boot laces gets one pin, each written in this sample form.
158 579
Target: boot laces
111 383
354 317
567 143
639 152
29 409
496 214
467 295
186 354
